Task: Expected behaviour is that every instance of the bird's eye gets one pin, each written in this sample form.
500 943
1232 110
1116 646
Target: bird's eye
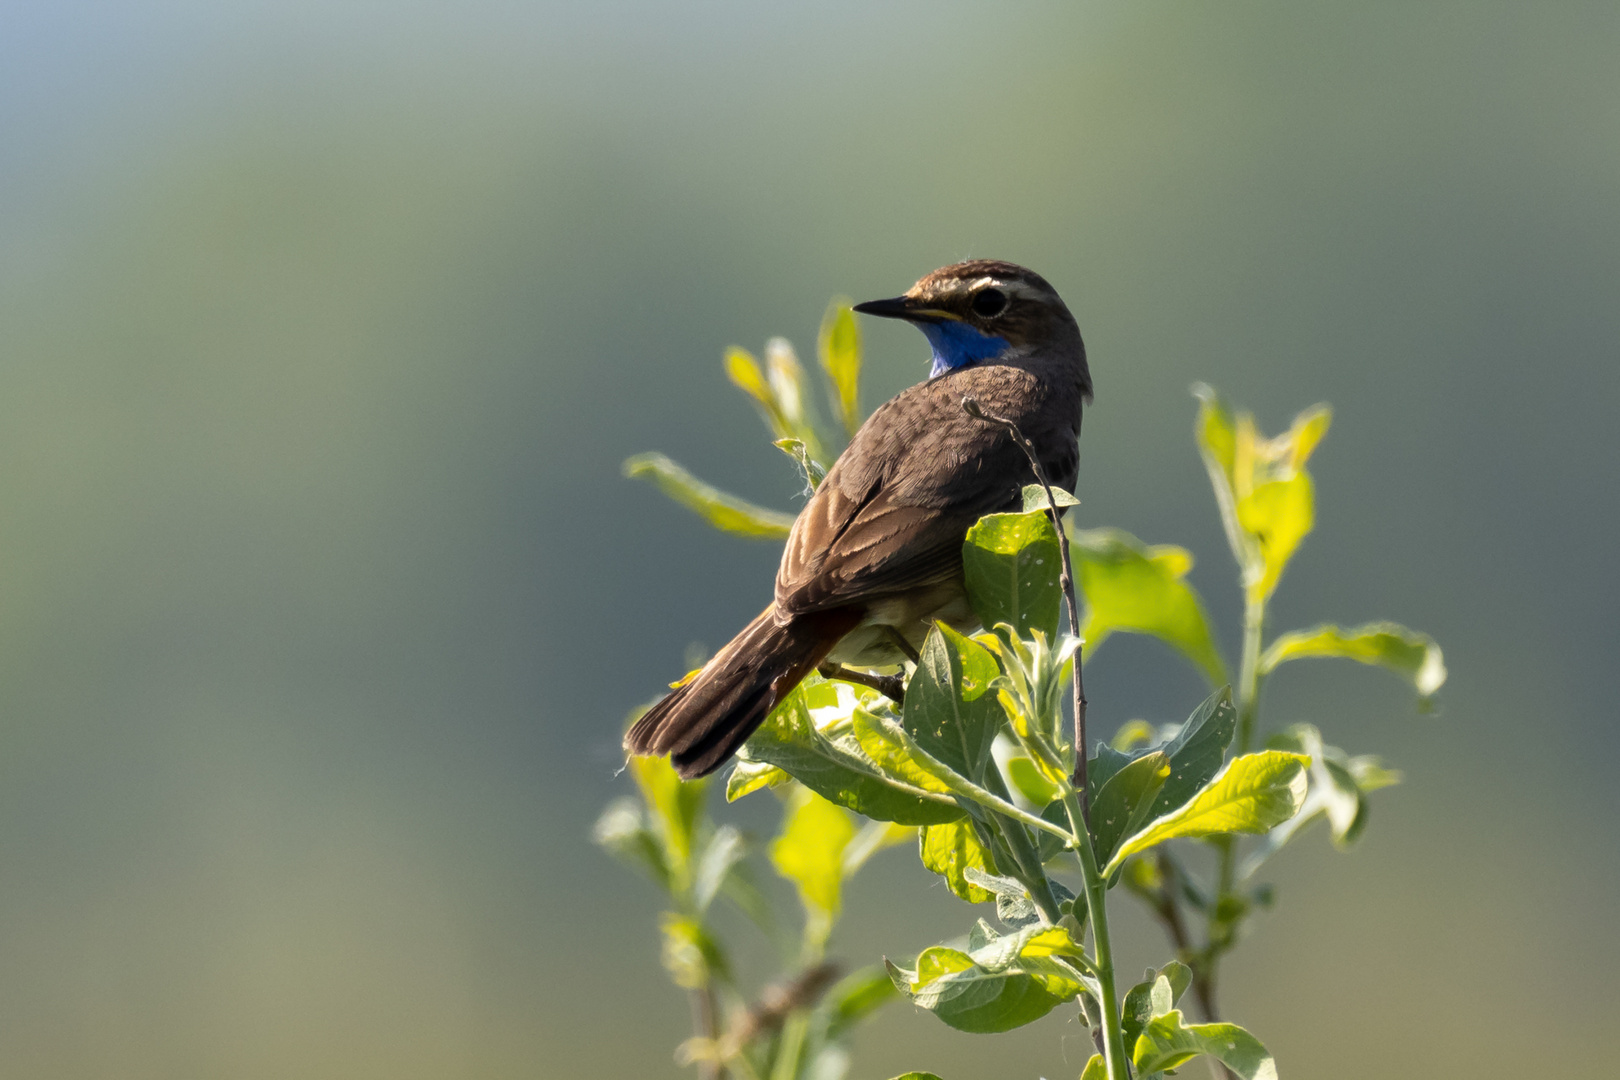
988 303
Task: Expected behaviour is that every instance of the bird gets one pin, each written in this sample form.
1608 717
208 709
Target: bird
874 558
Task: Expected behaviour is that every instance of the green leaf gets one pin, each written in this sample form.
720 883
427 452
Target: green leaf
1014 906
622 830
1096 1068
1011 563
745 373
1132 588
691 955
1008 982
893 752
950 710
1035 498
725 512
1197 751
1265 495
1154 996
1025 777
829 761
1338 790
723 851
1255 792
1410 654
1123 803
787 379
748 777
951 849
676 806
810 850
1166 1043
839 346
1279 514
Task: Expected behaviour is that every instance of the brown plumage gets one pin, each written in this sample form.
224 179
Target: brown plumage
878 548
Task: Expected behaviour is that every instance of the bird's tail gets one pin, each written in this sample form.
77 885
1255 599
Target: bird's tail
703 722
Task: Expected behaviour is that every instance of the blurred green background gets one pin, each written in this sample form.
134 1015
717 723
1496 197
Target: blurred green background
324 329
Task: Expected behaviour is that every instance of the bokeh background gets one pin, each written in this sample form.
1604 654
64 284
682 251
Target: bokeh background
325 327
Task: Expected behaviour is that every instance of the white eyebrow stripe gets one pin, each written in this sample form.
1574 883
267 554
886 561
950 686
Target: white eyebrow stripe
1011 288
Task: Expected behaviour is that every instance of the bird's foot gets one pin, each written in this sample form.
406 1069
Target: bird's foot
890 686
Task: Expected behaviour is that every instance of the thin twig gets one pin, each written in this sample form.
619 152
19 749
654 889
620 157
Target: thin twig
892 687
972 408
902 644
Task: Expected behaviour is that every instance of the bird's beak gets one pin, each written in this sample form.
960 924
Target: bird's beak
903 307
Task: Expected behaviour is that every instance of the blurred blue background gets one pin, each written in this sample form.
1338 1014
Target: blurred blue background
324 329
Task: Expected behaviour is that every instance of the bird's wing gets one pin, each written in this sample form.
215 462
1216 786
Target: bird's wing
892 512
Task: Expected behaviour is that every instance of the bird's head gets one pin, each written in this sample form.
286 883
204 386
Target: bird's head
985 311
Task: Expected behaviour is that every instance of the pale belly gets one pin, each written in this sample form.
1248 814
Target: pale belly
871 644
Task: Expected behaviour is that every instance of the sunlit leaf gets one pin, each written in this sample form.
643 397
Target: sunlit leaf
748 777
725 512
810 850
951 849
1096 1068
839 346
676 805
1265 496
691 955
1011 564
1255 792
1123 802
829 760
787 382
744 371
1197 751
949 709
1138 589
1027 778
1166 1042
892 751
1216 434
1278 514
1000 986
1410 654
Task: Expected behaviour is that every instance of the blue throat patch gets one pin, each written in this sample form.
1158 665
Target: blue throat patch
958 345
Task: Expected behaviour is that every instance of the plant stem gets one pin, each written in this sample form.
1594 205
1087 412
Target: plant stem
1218 934
1097 908
1029 872
704 1020
1254 621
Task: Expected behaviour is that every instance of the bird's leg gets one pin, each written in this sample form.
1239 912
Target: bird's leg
890 686
901 643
